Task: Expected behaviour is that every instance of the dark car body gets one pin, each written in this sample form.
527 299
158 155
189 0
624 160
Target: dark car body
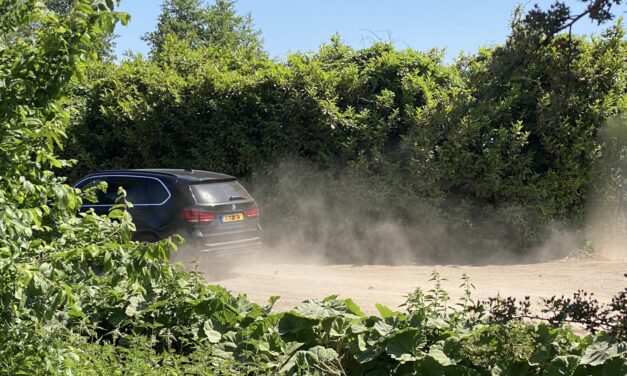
212 211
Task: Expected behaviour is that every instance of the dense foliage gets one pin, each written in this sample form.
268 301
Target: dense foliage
496 150
78 297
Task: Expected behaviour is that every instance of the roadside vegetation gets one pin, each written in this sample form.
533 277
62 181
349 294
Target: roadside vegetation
510 127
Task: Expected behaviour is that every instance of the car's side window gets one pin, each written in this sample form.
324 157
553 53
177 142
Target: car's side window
88 183
139 190
156 192
104 198
135 188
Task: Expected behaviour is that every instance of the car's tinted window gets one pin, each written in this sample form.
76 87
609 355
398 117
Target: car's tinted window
88 183
156 192
139 190
135 188
104 198
218 192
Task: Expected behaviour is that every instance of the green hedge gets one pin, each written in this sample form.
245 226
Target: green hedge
498 147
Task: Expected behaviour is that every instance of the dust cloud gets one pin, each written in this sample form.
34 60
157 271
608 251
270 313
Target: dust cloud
317 216
606 214
351 215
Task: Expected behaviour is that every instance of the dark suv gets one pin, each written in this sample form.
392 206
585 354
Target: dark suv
212 211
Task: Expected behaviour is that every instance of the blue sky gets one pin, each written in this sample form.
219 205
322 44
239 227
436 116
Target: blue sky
297 25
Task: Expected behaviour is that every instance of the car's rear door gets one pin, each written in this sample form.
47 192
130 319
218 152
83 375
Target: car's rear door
147 194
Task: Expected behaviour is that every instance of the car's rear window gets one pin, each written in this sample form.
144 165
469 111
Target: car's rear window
212 193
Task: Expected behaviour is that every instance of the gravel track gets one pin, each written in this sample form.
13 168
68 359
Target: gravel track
370 284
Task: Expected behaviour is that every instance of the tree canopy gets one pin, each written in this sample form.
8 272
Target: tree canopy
214 26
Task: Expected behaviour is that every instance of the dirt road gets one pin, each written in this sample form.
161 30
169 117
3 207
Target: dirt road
388 285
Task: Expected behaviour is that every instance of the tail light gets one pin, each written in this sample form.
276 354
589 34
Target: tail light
254 212
197 216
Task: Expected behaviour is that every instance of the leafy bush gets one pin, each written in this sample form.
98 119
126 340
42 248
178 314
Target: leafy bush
335 337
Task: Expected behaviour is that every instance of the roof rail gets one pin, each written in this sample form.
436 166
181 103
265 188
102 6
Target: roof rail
132 170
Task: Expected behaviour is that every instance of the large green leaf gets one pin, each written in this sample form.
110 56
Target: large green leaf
405 345
562 366
598 353
294 327
306 360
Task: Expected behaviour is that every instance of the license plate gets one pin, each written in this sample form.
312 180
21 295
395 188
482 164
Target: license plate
232 217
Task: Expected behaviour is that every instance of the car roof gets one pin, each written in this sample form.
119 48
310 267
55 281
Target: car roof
184 174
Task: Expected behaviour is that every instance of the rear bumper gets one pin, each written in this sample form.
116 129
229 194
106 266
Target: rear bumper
228 243
243 246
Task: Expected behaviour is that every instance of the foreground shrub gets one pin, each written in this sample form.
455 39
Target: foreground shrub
332 336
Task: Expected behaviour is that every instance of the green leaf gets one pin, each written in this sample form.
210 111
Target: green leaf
336 326
383 328
438 356
615 367
319 354
597 353
354 308
357 328
125 18
369 355
405 345
212 335
306 360
295 327
385 312
133 303
290 347
562 366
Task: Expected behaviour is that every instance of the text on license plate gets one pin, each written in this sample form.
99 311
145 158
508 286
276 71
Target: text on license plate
232 217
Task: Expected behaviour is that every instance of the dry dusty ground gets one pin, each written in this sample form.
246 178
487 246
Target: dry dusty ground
388 285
